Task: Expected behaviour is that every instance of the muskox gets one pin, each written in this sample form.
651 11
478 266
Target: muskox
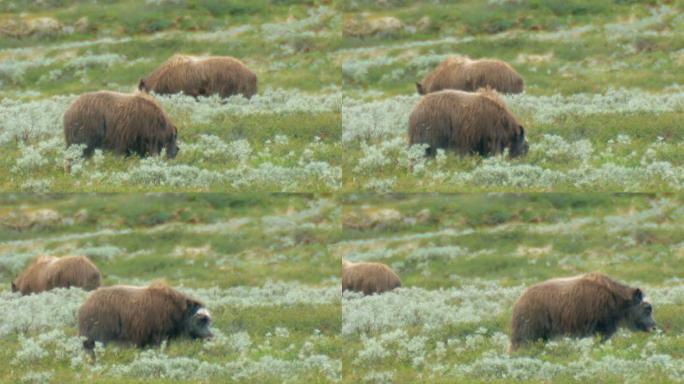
222 75
142 316
580 306
466 123
48 272
122 123
368 278
470 75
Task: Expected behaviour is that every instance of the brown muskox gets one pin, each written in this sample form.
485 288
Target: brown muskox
368 278
222 75
141 315
470 75
467 123
48 272
123 123
579 306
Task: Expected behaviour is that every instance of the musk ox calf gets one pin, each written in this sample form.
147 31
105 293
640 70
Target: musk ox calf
141 315
48 272
578 306
470 75
222 75
122 123
368 278
466 123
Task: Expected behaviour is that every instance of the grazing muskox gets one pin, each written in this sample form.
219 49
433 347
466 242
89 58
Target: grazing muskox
141 315
470 75
578 306
466 123
123 123
48 272
222 75
368 278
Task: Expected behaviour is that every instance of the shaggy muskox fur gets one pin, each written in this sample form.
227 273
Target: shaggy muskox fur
123 123
368 278
470 75
141 315
222 75
578 306
466 123
48 272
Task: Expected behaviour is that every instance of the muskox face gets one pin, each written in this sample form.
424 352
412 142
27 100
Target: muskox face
171 146
14 287
198 322
519 146
142 86
420 89
640 314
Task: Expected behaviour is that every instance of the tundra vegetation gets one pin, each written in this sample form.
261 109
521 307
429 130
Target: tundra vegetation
285 138
602 107
465 259
275 305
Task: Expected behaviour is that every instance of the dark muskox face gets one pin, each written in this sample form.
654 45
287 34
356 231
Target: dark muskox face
142 86
640 314
171 145
420 89
519 145
14 287
198 321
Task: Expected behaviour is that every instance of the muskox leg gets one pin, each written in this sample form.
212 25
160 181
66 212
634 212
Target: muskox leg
430 151
97 141
482 148
89 347
605 330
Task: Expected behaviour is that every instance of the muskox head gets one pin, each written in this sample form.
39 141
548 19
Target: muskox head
640 313
142 86
419 88
519 145
170 144
14 287
197 321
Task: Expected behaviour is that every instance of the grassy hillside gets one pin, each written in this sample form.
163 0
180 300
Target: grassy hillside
261 265
602 105
284 139
464 260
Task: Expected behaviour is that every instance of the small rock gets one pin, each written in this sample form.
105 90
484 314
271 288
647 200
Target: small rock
81 216
43 26
385 25
13 28
424 23
423 216
362 26
371 218
40 218
82 25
